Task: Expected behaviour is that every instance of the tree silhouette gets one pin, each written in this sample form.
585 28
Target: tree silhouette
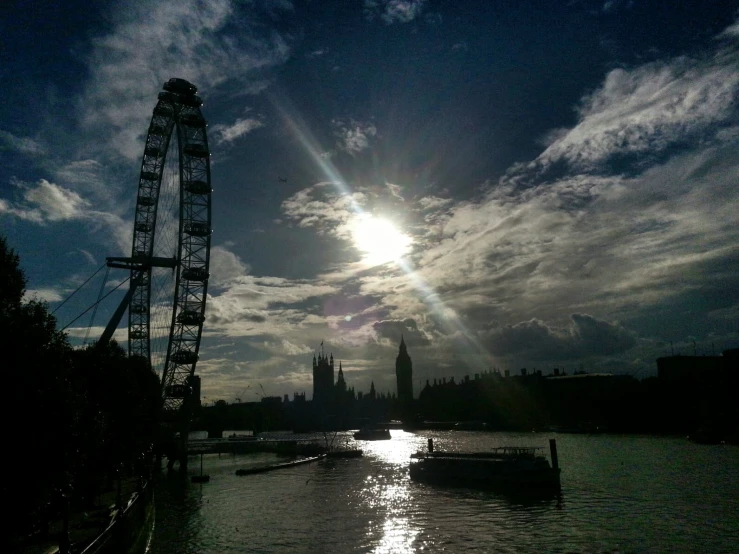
75 417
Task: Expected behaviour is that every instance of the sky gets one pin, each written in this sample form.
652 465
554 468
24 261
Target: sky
506 184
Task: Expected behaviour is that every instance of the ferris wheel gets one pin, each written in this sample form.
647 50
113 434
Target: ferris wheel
170 255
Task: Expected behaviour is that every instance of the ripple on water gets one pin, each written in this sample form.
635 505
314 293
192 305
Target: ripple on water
619 494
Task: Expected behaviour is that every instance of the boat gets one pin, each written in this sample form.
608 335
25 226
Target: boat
373 434
506 467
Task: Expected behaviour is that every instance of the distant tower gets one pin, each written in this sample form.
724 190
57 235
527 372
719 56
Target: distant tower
323 377
340 383
404 374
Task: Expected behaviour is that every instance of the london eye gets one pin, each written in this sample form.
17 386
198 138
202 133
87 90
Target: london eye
170 255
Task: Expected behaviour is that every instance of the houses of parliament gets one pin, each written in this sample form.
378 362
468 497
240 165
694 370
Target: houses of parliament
327 391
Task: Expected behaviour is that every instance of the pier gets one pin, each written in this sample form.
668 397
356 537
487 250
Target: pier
287 446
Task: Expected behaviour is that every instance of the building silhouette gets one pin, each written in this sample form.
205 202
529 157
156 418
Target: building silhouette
404 374
323 378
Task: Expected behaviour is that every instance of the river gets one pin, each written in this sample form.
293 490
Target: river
619 494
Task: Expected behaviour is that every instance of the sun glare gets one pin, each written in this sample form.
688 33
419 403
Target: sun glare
378 240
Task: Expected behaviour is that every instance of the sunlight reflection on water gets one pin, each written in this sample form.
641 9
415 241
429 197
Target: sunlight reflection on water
616 497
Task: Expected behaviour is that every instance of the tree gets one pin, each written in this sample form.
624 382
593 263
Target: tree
76 416
36 377
121 409
11 278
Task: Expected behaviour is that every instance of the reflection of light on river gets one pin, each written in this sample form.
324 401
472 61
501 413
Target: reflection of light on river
396 451
397 536
387 492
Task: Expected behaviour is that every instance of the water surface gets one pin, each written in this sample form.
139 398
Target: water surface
619 494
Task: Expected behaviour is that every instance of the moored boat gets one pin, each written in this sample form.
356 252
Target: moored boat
507 467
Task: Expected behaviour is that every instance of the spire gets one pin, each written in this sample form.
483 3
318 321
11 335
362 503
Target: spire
340 380
402 350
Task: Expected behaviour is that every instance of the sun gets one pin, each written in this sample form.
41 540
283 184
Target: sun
379 240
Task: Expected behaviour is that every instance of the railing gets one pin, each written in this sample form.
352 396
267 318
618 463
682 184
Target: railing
129 529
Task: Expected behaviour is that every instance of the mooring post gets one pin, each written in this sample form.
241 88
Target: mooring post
553 450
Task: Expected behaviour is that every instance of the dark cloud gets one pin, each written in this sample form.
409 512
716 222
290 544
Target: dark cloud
586 336
393 329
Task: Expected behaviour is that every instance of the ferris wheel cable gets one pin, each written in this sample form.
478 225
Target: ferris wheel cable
96 303
100 294
78 288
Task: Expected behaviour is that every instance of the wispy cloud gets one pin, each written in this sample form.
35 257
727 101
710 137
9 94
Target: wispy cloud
239 128
45 295
45 203
317 53
395 191
650 108
731 32
21 145
394 11
153 41
354 136
324 209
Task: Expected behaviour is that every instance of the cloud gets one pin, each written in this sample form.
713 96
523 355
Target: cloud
612 6
275 8
229 133
225 266
433 202
393 11
354 136
731 32
586 336
317 53
395 191
321 207
46 202
152 41
81 172
291 349
88 256
254 306
394 329
649 108
44 295
21 145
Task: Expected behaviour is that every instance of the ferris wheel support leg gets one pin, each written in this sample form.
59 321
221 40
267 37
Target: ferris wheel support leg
116 319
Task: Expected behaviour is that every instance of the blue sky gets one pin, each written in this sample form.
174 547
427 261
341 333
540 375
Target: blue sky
508 184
